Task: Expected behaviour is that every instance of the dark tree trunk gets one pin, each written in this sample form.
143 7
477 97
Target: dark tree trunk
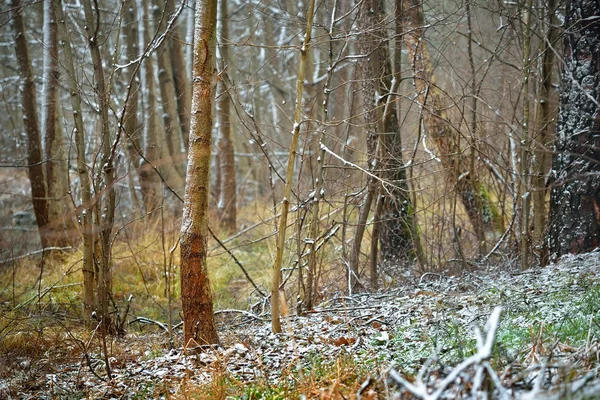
575 197
35 168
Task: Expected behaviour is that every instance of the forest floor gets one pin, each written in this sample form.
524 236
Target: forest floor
491 333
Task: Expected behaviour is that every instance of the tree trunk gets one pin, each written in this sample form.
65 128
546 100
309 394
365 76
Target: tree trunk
59 220
180 76
168 95
85 208
35 167
543 127
575 196
525 170
384 150
105 205
444 135
196 296
289 176
130 125
227 204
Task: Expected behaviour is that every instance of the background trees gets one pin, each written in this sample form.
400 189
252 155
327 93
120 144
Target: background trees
382 163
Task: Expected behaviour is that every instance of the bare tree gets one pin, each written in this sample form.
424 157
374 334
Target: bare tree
196 295
86 207
104 205
289 176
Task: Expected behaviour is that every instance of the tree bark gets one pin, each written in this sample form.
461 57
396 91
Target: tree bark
59 218
196 296
35 167
575 196
227 204
543 127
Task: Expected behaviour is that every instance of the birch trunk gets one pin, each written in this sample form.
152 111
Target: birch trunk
196 296
227 204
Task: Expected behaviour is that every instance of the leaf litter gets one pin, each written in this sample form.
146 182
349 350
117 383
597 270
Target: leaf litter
414 340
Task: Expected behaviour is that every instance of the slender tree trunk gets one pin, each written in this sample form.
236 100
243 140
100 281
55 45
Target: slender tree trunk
59 221
525 170
289 177
130 126
35 168
168 95
85 208
180 76
575 196
105 214
227 204
472 117
384 149
408 203
196 296
436 121
543 127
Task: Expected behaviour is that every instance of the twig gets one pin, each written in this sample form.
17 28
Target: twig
144 320
33 253
246 313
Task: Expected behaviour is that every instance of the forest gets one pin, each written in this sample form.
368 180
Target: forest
333 199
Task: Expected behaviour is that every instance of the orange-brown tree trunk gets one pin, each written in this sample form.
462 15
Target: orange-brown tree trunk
196 296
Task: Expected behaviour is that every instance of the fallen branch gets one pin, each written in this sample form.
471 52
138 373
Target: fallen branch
484 351
148 321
